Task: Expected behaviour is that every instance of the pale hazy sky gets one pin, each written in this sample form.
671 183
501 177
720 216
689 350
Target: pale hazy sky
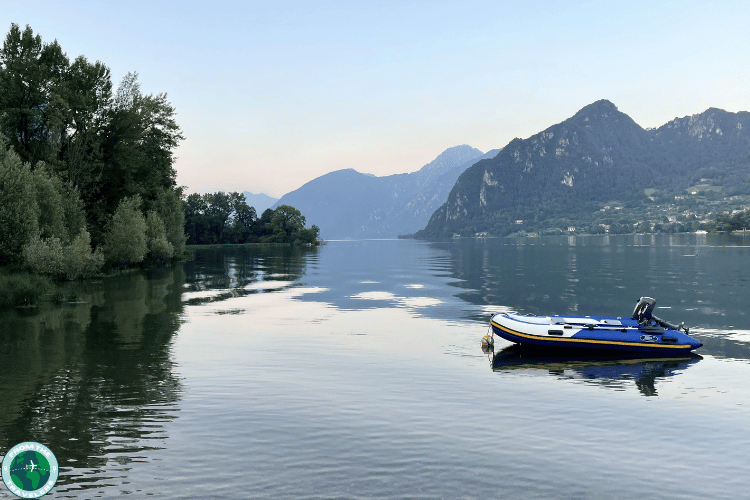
270 95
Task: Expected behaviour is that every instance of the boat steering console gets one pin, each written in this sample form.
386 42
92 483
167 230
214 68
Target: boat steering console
643 314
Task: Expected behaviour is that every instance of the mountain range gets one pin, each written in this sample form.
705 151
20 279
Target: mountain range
259 201
347 204
598 159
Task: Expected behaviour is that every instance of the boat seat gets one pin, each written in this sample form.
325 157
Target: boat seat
586 321
615 322
574 321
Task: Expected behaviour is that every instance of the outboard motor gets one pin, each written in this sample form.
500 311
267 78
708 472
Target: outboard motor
643 314
643 310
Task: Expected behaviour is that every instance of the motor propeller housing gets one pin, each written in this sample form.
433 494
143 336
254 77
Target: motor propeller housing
643 309
643 314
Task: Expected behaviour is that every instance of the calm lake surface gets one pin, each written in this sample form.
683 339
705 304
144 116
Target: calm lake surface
354 370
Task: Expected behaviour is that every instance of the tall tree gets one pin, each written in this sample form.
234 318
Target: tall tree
243 218
196 223
137 150
169 206
286 224
218 211
19 212
31 85
88 95
104 147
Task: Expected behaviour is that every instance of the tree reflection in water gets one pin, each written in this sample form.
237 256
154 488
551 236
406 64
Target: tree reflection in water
93 379
217 274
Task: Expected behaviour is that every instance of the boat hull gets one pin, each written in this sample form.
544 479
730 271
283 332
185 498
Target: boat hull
592 333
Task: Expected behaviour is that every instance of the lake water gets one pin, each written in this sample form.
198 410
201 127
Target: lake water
354 370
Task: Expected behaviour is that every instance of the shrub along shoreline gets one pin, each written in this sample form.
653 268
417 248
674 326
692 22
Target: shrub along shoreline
87 178
19 289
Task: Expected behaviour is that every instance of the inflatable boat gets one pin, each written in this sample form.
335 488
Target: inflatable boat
641 334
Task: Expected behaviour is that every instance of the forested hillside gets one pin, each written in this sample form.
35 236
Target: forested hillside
600 171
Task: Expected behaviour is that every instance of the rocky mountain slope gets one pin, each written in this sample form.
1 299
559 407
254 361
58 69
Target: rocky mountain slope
349 204
598 158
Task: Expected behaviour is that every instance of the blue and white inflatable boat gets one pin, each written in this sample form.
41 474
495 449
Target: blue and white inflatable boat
641 334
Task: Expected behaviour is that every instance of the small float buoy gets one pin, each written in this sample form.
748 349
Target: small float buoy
487 341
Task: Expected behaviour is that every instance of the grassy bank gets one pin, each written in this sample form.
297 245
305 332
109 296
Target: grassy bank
21 288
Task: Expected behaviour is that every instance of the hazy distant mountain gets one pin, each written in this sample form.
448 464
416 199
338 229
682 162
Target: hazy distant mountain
593 161
349 204
259 202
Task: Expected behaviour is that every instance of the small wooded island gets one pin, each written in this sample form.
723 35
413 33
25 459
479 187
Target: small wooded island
87 177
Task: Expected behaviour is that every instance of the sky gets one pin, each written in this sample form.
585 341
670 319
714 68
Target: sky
270 95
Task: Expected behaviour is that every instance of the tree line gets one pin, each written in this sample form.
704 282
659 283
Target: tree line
86 172
219 218
87 176
726 221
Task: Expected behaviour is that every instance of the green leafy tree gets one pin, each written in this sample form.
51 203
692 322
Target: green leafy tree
159 249
136 148
219 209
169 206
226 218
79 151
125 238
725 222
196 222
61 212
75 216
49 198
308 236
643 227
722 222
263 228
73 261
31 80
36 207
65 114
44 256
87 95
19 212
243 218
244 214
79 261
218 218
286 224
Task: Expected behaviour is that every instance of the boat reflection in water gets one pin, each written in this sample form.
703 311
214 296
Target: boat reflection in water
606 371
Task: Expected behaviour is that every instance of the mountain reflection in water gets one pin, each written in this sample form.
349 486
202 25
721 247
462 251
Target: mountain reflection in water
605 371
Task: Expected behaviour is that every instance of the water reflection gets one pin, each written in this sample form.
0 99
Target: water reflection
605 371
703 280
218 274
553 274
93 379
700 279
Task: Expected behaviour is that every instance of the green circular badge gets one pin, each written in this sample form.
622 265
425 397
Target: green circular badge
29 470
